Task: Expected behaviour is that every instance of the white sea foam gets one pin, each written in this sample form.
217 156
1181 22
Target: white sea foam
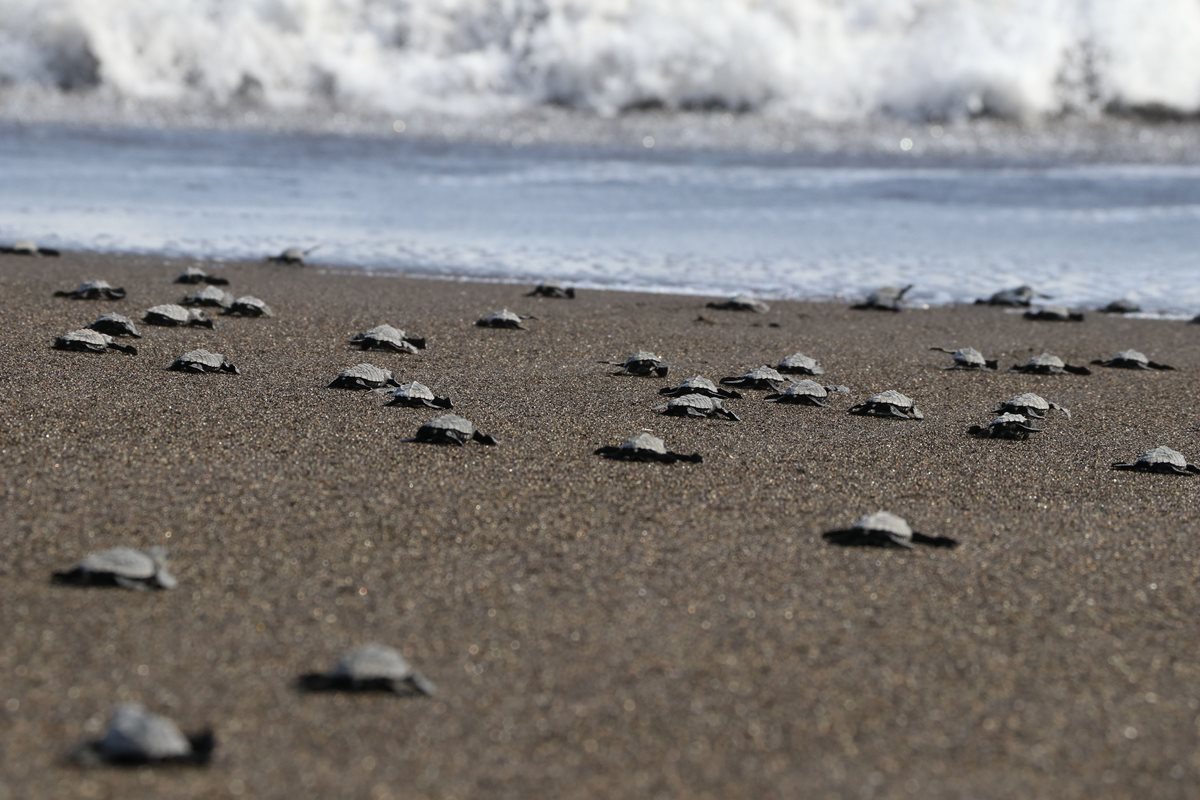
829 59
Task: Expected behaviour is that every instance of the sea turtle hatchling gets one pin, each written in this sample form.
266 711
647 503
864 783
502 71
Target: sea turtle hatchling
1131 359
1054 314
1017 297
890 404
173 316
1162 460
646 447
385 337
417 395
116 325
210 297
292 255
697 405
248 306
552 290
885 298
370 668
740 302
1030 405
203 361
799 364
884 529
643 363
362 377
94 290
121 566
805 393
698 384
502 319
194 275
1122 306
451 429
1006 426
762 378
86 340
137 737
1048 364
28 248
967 358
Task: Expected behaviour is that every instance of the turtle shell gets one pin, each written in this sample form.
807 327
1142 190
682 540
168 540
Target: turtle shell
171 316
800 364
644 363
1048 364
137 737
1121 306
121 566
888 404
697 405
1161 460
363 376
804 392
552 289
417 394
248 306
1021 296
203 361
698 384
1030 405
758 378
500 319
645 447
115 325
968 358
195 275
209 296
885 298
372 667
1006 426
884 529
385 337
86 340
94 290
451 429
741 302
28 247
1131 359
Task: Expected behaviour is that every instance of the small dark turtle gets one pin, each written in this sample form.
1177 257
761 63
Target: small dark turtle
967 358
800 364
1131 359
1162 460
28 248
643 363
697 405
370 668
94 290
1030 405
414 395
1019 297
385 337
116 325
1006 426
1054 314
698 384
123 567
87 340
740 302
137 738
203 361
884 529
248 306
195 275
363 376
885 298
451 429
502 319
763 378
292 255
553 290
1048 364
1121 306
173 316
805 393
890 404
646 447
210 297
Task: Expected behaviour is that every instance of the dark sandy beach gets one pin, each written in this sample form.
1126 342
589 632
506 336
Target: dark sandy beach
596 629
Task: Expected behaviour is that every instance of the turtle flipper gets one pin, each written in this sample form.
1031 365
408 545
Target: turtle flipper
484 438
421 685
1158 366
934 541
1126 467
661 371
442 402
1077 370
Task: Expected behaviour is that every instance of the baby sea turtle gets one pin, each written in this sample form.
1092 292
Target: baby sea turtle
804 393
1006 426
698 384
203 361
1018 297
94 290
87 340
553 290
1131 359
888 404
209 296
370 668
1048 364
173 316
1030 405
415 395
1121 306
451 429
1162 460
967 358
136 737
502 319
292 255
885 298
643 363
385 337
248 306
646 447
363 376
28 248
758 378
116 325
800 364
1054 314
121 566
697 405
740 302
884 529
195 275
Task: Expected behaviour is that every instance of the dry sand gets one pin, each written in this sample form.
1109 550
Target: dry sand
596 629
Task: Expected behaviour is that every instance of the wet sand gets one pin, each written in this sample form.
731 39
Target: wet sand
596 629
